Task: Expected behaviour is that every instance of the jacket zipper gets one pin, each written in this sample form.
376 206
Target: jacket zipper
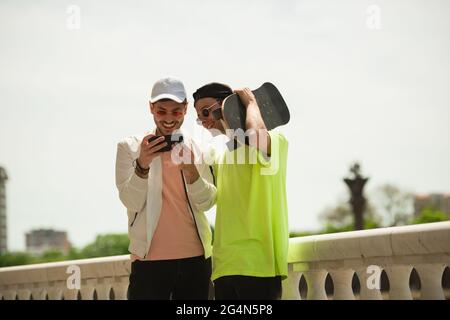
190 207
213 176
135 216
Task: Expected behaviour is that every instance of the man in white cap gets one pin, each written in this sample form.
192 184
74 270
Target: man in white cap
170 237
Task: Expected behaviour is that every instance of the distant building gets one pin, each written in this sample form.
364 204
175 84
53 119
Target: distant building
439 201
41 240
3 230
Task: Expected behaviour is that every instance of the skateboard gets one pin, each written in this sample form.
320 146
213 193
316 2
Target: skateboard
272 106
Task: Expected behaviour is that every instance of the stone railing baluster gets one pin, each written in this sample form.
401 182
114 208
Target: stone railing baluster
291 285
315 280
398 276
342 282
431 281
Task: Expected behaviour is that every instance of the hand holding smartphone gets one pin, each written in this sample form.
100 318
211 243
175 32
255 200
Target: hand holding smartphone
170 139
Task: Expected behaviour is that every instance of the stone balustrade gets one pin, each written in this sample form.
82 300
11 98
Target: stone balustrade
100 278
354 264
364 257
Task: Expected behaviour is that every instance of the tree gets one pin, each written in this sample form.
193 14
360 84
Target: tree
430 214
339 217
395 205
50 256
74 254
106 245
15 259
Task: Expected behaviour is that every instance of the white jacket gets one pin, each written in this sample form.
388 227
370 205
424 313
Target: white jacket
143 197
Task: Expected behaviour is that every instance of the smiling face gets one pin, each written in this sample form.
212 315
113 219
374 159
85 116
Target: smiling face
208 122
168 115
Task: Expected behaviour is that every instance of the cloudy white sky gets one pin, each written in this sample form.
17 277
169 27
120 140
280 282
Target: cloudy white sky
355 93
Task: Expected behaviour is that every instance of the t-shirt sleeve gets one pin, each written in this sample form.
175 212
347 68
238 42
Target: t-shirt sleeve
278 154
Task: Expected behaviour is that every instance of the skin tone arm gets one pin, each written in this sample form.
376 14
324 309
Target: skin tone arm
190 173
189 169
254 121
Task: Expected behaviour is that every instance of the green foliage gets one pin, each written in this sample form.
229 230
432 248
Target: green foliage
74 254
295 234
430 214
394 204
340 218
104 245
331 228
50 256
15 258
368 224
371 224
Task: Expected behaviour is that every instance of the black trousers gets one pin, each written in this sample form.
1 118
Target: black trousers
178 279
247 288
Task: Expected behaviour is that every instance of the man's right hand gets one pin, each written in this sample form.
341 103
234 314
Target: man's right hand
149 150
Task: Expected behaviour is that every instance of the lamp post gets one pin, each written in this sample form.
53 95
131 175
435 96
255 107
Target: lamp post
356 185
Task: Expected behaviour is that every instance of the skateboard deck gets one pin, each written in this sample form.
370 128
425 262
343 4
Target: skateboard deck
272 106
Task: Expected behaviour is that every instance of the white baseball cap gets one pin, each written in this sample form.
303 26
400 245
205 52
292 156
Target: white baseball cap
168 88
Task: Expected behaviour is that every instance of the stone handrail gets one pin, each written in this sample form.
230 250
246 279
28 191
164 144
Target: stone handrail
342 256
100 278
396 251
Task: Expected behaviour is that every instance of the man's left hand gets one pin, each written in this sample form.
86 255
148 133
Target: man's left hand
246 95
188 164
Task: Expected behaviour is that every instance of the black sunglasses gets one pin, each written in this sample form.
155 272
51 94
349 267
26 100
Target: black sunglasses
206 112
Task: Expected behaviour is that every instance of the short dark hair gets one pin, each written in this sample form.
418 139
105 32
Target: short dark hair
216 90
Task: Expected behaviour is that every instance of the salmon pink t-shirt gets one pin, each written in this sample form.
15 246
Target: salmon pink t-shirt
176 235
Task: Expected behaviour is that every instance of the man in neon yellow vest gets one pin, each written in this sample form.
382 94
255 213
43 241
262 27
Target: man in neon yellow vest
251 233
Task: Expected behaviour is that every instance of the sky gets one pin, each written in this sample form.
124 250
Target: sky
364 81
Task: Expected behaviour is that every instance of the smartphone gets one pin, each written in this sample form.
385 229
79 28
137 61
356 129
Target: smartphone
171 139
